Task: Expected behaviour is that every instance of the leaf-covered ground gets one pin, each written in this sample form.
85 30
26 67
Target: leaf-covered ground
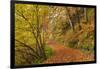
64 54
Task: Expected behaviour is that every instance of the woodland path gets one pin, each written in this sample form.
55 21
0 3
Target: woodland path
62 54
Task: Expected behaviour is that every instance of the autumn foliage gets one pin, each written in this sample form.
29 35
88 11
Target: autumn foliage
46 32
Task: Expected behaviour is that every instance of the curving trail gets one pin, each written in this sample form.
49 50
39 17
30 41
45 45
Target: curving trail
64 54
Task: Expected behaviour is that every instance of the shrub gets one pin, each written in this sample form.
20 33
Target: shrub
88 48
72 43
48 51
24 56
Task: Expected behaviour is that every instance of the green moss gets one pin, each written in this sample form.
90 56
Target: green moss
48 51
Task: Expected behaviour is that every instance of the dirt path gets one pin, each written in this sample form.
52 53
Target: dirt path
63 54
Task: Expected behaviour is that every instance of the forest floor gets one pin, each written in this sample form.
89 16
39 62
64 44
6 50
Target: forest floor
62 54
65 54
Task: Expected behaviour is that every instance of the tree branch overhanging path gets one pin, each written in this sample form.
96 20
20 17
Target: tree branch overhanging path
53 34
